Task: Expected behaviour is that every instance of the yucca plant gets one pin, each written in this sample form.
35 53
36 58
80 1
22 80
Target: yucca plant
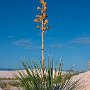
31 78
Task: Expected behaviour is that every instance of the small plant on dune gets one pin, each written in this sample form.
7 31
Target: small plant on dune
31 78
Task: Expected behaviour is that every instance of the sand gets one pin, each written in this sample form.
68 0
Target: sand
85 78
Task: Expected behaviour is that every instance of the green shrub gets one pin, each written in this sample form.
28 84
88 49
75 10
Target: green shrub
31 78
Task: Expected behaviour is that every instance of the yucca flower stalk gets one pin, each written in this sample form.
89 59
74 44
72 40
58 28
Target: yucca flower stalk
43 26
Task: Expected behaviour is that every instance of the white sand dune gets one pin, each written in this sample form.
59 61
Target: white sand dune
84 81
7 74
85 78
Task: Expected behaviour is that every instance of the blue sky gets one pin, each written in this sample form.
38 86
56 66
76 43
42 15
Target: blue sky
68 38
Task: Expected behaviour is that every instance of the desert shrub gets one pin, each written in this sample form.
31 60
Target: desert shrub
31 78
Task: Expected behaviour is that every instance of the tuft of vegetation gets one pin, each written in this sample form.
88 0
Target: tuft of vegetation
31 78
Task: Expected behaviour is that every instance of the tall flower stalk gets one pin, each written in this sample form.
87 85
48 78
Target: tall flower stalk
41 19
